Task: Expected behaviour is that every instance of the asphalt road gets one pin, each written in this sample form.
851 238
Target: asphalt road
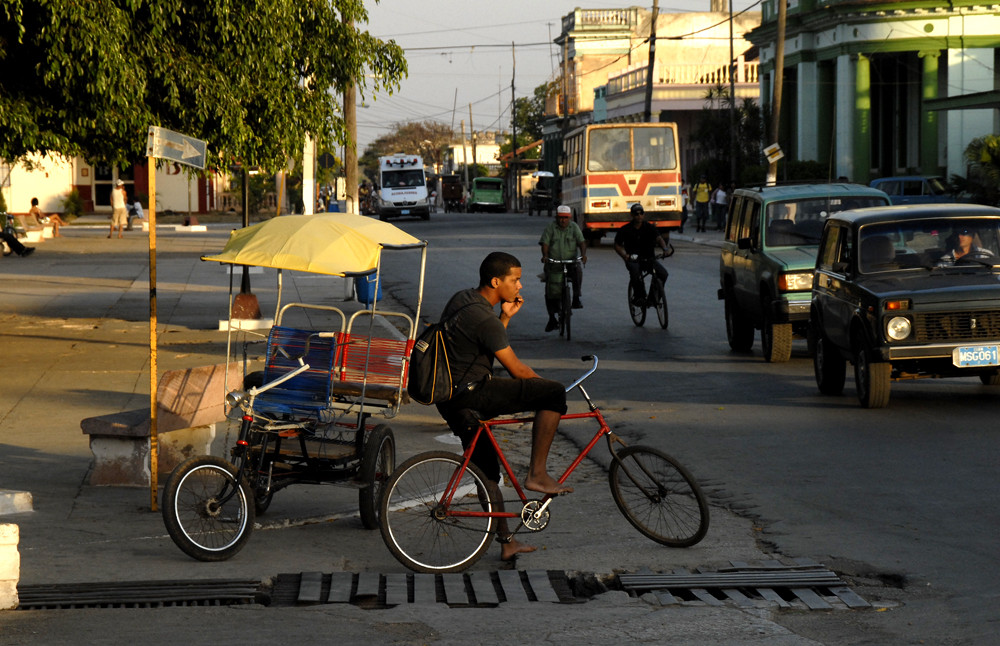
906 496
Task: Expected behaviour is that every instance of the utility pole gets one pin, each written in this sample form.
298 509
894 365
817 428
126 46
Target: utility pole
779 69
472 136
647 114
513 130
351 149
732 101
465 157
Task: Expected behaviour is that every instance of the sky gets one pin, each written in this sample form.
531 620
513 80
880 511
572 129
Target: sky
460 53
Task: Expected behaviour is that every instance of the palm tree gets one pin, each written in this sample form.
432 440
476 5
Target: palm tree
983 156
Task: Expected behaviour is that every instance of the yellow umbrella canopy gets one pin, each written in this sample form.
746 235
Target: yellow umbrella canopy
336 244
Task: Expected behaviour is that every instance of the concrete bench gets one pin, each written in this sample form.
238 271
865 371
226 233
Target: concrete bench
191 420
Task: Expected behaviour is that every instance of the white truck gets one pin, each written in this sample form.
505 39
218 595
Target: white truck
402 188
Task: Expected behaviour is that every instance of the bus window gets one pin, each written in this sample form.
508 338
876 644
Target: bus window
654 149
609 149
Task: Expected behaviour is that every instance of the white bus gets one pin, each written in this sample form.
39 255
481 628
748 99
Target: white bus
610 167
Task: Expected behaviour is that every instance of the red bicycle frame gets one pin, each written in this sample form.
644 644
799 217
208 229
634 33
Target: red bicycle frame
487 427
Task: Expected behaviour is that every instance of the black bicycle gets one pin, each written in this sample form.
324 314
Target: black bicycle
656 296
559 282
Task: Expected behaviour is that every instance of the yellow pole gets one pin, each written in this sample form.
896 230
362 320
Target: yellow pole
153 459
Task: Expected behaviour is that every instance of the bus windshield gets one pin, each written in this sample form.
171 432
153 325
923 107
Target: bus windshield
610 149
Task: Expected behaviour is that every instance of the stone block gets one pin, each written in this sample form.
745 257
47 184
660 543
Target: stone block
10 566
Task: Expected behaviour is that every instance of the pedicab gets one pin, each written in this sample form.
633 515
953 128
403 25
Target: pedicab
306 417
540 197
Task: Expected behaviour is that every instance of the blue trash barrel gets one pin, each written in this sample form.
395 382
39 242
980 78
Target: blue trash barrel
364 286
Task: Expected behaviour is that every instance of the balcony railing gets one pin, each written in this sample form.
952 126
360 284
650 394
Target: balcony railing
596 19
745 72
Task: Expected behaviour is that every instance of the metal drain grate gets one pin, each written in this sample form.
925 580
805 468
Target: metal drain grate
139 594
802 584
459 590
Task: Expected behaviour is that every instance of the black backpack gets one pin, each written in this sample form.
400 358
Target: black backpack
429 375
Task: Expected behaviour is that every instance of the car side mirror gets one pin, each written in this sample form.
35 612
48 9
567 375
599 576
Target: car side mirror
744 243
841 267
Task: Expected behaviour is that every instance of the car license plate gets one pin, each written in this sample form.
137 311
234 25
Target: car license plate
971 356
405 212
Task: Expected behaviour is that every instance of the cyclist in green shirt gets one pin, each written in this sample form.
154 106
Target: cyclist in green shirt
561 240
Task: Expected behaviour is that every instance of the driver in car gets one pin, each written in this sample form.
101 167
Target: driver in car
965 245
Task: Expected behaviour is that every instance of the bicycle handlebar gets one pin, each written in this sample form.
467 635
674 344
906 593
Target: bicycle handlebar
590 371
564 262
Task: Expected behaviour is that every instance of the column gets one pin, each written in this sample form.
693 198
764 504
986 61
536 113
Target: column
844 117
807 103
929 118
862 116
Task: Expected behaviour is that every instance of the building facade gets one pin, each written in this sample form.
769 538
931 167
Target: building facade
883 88
50 178
605 67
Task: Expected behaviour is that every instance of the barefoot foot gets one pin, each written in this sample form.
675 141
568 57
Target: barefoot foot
509 551
546 484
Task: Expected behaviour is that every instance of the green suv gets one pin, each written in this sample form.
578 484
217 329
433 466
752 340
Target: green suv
768 256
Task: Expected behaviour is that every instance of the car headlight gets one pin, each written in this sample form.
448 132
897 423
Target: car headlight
798 282
898 328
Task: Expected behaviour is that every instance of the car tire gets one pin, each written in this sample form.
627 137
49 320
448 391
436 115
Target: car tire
830 368
991 379
871 378
775 338
739 331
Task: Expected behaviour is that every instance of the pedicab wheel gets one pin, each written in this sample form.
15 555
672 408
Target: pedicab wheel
207 512
658 496
426 535
636 310
261 500
377 463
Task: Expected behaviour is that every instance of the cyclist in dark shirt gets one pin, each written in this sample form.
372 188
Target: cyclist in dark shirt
636 243
478 336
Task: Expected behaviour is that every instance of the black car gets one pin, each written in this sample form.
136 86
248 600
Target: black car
906 292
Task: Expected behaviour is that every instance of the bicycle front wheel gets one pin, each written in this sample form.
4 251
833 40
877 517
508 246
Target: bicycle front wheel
208 511
421 531
658 496
659 297
567 311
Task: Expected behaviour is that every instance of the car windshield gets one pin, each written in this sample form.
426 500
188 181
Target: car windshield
943 242
400 178
800 222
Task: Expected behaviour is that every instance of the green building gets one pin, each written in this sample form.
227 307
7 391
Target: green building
883 88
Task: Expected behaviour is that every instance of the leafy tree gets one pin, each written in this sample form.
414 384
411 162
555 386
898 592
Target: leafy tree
983 182
429 139
529 113
251 78
713 134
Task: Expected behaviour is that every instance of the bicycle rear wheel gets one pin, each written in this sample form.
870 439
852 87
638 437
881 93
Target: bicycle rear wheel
635 309
659 296
658 496
421 532
208 514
